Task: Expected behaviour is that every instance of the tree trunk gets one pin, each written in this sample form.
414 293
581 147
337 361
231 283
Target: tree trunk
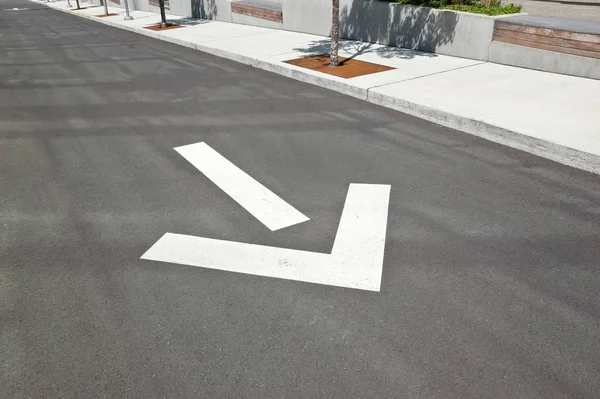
163 16
335 33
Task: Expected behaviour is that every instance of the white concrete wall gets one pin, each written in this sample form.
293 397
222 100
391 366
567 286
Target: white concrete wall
115 3
543 60
219 10
142 5
180 7
419 28
307 16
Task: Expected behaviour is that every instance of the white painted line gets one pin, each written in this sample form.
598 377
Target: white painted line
355 262
262 203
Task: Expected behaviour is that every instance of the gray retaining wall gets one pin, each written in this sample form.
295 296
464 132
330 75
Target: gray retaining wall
418 28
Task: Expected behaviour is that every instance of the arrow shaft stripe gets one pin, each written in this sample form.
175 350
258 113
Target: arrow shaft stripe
261 202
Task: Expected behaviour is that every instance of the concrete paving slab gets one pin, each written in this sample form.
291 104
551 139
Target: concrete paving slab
269 43
558 109
216 30
94 10
409 64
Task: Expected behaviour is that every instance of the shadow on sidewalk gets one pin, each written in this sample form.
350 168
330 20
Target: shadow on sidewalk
187 21
353 49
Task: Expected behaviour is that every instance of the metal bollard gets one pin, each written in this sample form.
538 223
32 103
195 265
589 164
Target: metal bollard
127 16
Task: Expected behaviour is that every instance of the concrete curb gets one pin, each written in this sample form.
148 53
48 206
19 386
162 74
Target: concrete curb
545 149
290 71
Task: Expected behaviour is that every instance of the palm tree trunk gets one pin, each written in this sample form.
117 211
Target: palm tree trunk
335 33
163 16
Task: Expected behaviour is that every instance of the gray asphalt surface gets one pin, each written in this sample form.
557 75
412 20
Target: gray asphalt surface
491 277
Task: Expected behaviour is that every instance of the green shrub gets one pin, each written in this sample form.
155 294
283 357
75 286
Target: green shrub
468 6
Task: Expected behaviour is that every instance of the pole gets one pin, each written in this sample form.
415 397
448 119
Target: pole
77 1
105 6
127 16
69 3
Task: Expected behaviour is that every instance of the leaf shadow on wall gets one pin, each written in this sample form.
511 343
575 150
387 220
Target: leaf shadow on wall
389 30
204 9
409 27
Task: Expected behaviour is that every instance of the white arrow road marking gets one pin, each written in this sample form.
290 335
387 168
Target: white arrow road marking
262 203
356 260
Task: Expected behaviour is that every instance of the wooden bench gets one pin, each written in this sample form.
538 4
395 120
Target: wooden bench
580 38
256 9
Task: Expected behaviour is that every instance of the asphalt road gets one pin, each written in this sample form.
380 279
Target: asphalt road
491 277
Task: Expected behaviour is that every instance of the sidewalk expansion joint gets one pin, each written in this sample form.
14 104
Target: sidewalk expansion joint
425 76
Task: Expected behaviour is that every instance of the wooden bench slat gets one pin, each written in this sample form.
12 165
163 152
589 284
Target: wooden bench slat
544 46
554 41
257 12
561 34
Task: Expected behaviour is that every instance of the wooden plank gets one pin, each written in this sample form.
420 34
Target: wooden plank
543 46
257 12
155 4
561 34
554 41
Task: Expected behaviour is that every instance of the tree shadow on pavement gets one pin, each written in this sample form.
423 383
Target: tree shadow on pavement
352 49
187 21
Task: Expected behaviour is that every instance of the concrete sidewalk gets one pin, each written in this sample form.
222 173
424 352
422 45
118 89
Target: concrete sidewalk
550 115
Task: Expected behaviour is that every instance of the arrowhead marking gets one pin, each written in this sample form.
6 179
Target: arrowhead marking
356 260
